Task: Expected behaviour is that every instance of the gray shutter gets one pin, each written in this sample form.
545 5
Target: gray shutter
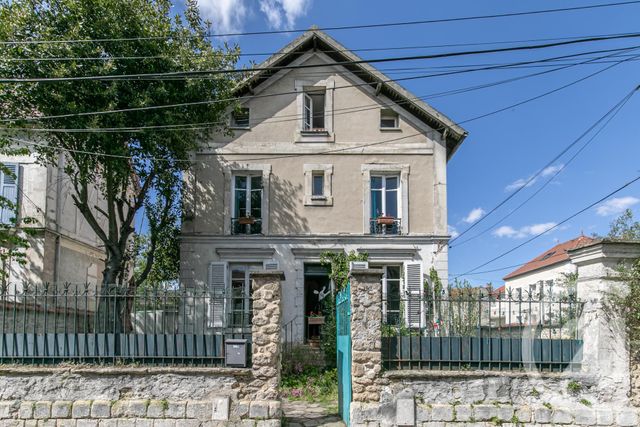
9 190
307 113
217 287
270 265
414 307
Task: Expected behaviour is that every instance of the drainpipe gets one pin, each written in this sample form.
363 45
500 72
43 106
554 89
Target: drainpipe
56 261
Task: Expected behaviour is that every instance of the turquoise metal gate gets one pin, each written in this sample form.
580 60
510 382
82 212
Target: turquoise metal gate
343 326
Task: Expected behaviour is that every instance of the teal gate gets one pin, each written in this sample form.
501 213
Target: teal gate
343 326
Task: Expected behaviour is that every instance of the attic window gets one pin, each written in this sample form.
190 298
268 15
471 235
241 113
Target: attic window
313 109
388 119
240 118
548 255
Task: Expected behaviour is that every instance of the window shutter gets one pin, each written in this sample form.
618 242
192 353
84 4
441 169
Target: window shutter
271 265
414 307
217 286
9 190
307 114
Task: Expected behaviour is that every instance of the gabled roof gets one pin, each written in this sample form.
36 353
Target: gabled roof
319 41
555 255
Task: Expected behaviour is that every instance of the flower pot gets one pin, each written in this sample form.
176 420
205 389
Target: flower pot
385 220
247 220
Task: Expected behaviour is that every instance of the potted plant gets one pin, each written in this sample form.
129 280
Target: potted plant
246 220
315 318
385 220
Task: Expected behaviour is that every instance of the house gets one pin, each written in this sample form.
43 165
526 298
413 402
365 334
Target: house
64 247
533 293
326 154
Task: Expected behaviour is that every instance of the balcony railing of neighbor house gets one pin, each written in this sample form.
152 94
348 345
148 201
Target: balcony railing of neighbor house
246 225
471 329
385 225
162 325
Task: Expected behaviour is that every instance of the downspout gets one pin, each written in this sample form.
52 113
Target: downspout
56 261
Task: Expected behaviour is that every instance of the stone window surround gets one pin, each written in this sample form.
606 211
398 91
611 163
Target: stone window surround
235 168
300 136
386 168
327 197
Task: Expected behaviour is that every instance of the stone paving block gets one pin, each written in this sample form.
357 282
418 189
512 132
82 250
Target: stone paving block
7 408
442 413
197 423
46 423
220 409
86 423
26 410
464 412
405 412
176 409
561 416
240 409
199 410
66 423
165 423
585 417
127 422
61 409
259 409
101 409
42 410
423 413
269 423
604 417
11 423
626 418
275 409
144 422
155 409
112 422
485 412
81 409
542 415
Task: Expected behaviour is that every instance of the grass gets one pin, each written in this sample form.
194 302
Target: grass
313 385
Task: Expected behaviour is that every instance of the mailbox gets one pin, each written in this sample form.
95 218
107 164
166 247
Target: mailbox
236 353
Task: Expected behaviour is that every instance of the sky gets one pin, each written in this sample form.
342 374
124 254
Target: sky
503 151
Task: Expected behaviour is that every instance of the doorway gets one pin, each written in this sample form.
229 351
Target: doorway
317 286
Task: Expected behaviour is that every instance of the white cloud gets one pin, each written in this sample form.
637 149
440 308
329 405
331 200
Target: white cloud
283 13
227 16
616 205
452 231
474 215
528 182
526 231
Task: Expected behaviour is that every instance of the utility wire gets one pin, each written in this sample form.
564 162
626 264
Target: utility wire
570 217
307 66
334 28
618 107
206 102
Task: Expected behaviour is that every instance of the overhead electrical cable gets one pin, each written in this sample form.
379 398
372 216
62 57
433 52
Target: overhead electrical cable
339 27
307 66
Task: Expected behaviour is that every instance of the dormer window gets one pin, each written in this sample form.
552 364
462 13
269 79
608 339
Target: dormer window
388 119
313 119
240 118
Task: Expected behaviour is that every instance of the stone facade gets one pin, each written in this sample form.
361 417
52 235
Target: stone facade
599 394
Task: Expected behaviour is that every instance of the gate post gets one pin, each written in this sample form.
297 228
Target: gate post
366 335
264 387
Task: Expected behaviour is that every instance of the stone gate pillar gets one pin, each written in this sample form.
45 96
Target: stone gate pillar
263 391
366 334
605 349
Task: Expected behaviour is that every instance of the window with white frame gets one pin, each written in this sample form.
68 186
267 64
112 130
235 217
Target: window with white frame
247 204
317 183
385 204
9 190
313 109
388 119
240 118
230 303
391 289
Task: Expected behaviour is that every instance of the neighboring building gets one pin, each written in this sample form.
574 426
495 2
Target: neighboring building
532 293
329 158
64 248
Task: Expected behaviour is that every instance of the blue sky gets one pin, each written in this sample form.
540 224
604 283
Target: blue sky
506 147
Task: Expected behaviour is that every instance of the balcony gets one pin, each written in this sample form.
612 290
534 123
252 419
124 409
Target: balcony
246 225
385 225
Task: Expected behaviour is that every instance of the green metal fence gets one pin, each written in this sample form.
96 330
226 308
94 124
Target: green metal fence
162 325
476 329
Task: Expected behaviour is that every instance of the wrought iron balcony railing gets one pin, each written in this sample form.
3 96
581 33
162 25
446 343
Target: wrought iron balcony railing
385 225
246 225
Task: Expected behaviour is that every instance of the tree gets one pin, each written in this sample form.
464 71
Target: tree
625 227
131 170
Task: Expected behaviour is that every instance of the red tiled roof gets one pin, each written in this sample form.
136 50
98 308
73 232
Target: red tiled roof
555 255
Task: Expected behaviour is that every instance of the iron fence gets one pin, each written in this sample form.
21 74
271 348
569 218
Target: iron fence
385 226
165 324
473 329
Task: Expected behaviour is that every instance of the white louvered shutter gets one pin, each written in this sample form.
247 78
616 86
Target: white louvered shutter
270 265
217 286
414 307
307 114
9 190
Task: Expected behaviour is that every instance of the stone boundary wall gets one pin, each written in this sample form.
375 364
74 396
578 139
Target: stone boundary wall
128 396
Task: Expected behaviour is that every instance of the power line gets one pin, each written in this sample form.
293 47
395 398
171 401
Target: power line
333 28
244 54
141 76
618 107
551 162
205 102
570 217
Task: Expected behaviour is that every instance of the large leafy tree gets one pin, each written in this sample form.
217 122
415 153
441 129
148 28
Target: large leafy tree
131 170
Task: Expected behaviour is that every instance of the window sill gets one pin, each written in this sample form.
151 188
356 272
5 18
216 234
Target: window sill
239 128
304 136
390 130
318 201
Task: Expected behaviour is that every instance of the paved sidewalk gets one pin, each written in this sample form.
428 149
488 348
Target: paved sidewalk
305 414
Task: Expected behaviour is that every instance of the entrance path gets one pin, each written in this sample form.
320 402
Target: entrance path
305 414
